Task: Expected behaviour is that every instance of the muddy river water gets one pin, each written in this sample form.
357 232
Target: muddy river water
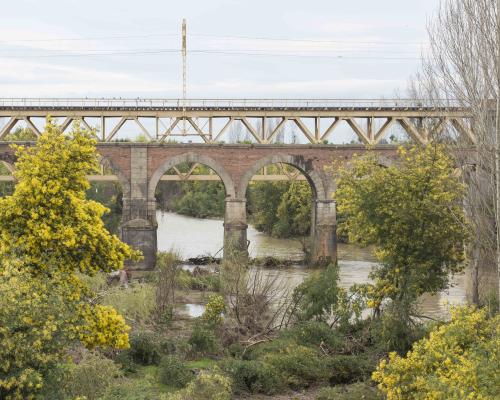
192 237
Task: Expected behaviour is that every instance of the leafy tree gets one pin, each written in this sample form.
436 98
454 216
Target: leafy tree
413 213
459 360
320 298
264 200
201 199
49 233
294 211
21 135
282 209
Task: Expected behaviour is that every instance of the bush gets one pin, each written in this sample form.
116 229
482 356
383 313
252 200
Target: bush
314 333
214 309
135 303
209 282
174 372
137 389
273 346
350 369
205 387
357 391
252 376
144 348
126 361
298 366
92 376
202 340
459 360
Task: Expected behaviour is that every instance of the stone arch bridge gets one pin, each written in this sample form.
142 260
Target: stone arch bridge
140 166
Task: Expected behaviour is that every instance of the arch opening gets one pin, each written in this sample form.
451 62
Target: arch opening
190 197
281 211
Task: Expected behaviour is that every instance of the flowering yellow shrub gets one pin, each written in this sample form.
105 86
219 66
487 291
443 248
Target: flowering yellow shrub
47 221
49 233
459 360
104 328
214 309
36 325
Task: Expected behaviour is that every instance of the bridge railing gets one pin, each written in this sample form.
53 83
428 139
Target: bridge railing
221 103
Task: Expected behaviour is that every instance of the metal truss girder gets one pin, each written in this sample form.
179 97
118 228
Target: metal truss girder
462 129
144 130
304 129
250 128
117 127
197 129
383 130
310 110
331 128
32 126
277 129
67 121
412 130
8 127
224 128
357 129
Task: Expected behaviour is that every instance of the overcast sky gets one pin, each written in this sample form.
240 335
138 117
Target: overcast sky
238 49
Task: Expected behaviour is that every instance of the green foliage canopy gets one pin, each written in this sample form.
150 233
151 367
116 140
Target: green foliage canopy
413 213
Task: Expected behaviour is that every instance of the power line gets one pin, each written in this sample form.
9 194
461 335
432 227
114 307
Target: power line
89 38
307 40
219 52
263 38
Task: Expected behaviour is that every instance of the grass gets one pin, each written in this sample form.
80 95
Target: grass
203 363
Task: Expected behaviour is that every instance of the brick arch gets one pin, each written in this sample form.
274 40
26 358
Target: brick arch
192 158
312 176
124 182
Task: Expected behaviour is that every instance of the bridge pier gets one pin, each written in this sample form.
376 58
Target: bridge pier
235 228
324 233
139 224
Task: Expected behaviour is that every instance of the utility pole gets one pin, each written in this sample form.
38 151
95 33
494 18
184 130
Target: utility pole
184 61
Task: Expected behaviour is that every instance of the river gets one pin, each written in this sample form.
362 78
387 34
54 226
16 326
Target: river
192 237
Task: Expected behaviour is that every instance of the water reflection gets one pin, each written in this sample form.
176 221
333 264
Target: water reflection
192 237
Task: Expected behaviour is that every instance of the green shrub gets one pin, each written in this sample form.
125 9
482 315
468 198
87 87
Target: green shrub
186 280
125 389
126 361
215 307
92 376
274 346
298 366
169 346
144 347
252 376
357 391
314 333
202 340
350 368
174 372
135 303
205 387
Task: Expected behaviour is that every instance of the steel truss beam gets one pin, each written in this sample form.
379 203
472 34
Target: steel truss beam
371 124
